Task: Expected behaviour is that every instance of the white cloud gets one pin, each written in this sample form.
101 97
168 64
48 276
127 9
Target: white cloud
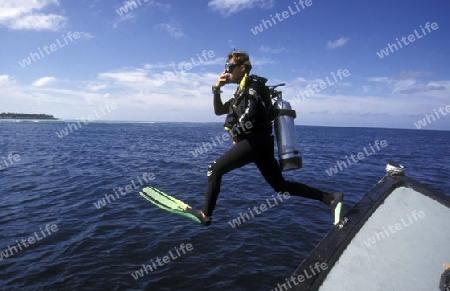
97 87
39 22
379 79
332 44
262 61
130 16
64 102
402 85
86 35
27 15
14 8
130 10
163 7
126 76
43 81
409 82
228 7
156 92
411 75
159 66
5 79
384 102
423 88
268 49
173 30
172 66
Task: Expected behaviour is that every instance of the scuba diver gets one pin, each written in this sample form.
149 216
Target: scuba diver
249 122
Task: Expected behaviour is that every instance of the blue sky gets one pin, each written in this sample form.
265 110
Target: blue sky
94 57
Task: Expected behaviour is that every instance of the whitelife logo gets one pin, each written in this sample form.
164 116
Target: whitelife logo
128 189
51 48
378 236
130 5
73 126
49 229
281 16
305 275
11 158
411 38
356 158
161 262
263 207
430 118
185 66
320 86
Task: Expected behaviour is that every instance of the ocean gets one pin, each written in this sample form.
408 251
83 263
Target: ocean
72 217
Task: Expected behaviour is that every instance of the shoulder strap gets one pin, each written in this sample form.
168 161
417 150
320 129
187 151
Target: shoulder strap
258 79
260 84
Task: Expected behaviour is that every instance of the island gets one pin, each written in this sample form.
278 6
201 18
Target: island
26 116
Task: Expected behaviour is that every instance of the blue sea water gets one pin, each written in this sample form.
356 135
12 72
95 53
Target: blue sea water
59 181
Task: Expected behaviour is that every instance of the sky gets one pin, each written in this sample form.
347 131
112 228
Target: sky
345 63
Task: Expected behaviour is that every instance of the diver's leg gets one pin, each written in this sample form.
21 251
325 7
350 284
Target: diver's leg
237 156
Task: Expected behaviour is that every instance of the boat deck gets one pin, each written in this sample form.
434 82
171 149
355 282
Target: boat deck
401 247
397 237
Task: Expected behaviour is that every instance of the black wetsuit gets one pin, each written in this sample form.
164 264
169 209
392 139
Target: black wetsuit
253 143
445 281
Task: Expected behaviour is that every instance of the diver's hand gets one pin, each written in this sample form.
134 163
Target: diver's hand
223 79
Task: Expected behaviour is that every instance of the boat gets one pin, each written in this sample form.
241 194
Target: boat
397 237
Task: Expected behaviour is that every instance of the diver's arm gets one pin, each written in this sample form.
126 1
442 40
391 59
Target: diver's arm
219 107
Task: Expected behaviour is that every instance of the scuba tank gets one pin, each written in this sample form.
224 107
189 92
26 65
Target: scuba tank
288 147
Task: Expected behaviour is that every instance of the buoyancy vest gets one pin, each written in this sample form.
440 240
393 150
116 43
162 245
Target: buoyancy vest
250 109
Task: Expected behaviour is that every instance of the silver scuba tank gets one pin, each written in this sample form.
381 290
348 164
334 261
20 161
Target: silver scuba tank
288 147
